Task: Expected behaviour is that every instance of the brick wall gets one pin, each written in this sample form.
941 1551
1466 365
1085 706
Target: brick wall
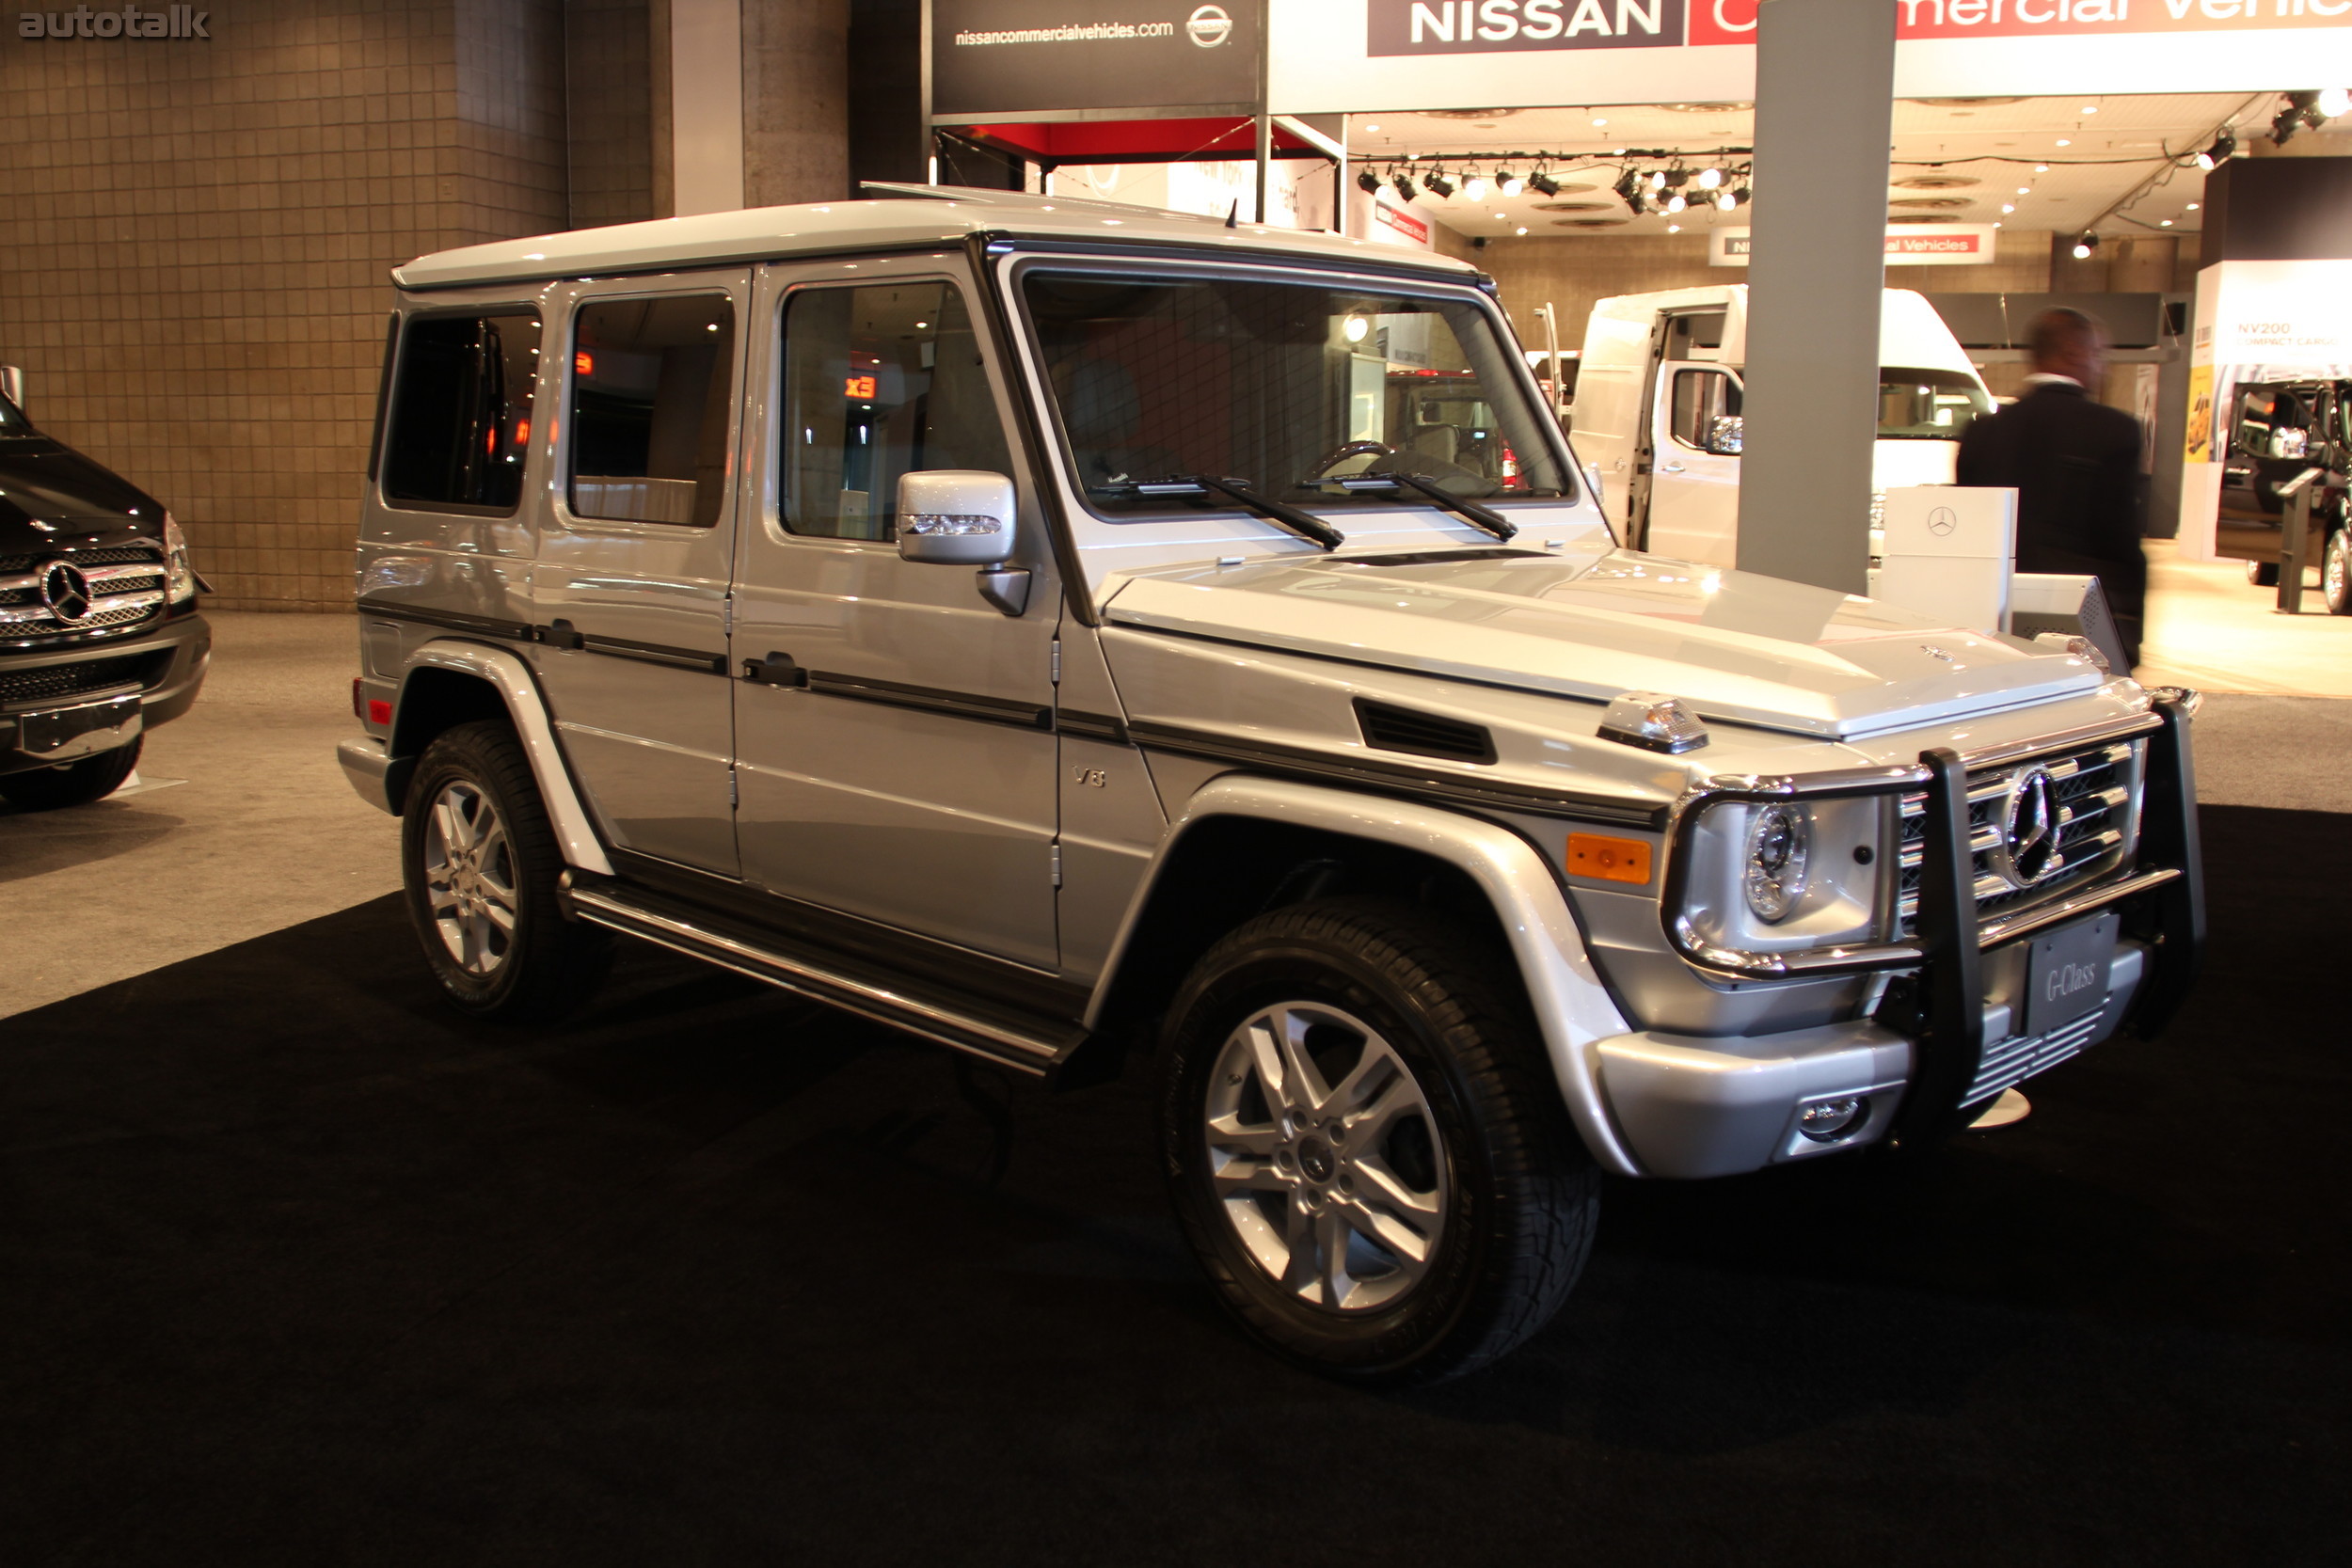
193 272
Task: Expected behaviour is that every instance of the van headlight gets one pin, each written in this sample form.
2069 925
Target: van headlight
179 571
1780 839
1758 878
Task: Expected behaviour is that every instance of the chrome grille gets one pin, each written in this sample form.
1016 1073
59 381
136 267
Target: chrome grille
126 589
74 680
2096 791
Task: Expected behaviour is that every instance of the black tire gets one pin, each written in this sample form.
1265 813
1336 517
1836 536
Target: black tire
538 965
2335 572
71 783
1513 1194
2263 574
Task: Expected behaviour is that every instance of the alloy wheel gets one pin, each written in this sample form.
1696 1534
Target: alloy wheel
469 877
1325 1157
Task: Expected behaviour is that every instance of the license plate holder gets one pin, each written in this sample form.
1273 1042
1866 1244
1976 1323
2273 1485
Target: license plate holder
2066 974
66 733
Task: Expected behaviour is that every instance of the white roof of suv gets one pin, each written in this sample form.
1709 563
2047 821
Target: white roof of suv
906 217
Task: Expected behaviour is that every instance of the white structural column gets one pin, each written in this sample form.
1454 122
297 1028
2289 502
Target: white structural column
707 104
1824 107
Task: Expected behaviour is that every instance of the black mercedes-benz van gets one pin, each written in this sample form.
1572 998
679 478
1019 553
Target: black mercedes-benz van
99 633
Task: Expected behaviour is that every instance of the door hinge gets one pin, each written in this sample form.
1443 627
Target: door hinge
726 615
1054 660
734 788
1056 848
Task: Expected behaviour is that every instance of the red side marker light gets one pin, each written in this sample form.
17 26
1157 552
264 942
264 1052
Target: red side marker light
379 711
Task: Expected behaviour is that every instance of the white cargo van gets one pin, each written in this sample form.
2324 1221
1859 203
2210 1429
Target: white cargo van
1658 418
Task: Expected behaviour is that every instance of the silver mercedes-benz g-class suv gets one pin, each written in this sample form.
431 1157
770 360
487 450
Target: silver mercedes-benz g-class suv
1056 629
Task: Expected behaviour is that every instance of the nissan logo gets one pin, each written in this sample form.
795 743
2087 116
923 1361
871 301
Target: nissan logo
65 593
2033 829
1209 26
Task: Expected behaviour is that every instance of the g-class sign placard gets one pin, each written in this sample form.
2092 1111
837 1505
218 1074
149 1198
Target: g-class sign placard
1484 27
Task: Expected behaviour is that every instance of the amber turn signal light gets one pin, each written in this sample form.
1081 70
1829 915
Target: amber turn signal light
1607 859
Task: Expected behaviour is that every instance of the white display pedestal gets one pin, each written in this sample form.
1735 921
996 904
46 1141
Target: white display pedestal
1950 552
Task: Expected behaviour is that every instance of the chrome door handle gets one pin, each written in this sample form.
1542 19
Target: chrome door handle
1669 467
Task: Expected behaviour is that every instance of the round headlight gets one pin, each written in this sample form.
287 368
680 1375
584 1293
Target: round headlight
1773 878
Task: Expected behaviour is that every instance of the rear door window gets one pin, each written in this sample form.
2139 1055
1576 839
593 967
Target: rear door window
652 392
460 423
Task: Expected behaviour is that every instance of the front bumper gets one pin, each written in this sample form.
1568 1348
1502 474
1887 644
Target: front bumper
1690 1107
164 668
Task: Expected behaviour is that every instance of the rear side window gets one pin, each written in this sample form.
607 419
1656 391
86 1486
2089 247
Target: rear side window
653 384
461 411
878 381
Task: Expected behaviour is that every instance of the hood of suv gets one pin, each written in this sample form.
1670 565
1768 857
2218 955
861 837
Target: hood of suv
52 497
1598 622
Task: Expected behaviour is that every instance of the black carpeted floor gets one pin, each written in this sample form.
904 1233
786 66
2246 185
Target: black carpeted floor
296 1267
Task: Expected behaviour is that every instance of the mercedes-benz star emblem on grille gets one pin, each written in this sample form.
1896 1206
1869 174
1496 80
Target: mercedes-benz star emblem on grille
66 592
2032 831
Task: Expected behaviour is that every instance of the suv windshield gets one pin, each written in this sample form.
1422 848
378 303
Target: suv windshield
1928 405
1287 388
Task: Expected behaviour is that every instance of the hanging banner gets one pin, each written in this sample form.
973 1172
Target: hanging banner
1331 56
1012 57
1908 244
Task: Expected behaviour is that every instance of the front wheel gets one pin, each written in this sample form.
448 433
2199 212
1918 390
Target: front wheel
479 863
1365 1148
73 783
2335 572
2263 574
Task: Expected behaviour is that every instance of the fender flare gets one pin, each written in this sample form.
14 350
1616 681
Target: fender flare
512 678
1572 1007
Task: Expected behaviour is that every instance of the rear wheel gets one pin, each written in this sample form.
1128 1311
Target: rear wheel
1365 1148
480 864
2263 574
71 783
2335 573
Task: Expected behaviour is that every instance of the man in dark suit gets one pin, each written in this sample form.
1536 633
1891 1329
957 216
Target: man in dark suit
2074 464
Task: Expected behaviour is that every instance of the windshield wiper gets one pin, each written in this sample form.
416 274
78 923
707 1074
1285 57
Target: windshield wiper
1304 524
1397 484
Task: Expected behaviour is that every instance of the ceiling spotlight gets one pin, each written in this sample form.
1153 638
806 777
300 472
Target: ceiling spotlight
2164 223
1726 200
1598 122
1440 186
1658 178
1508 184
2063 142
1675 203
1368 182
2192 207
1406 189
1356 329
2333 103
1371 127
1742 195
2213 157
1677 177
1503 216
1629 189
2008 206
2090 109
2024 190
1544 185
1475 188
1520 229
1709 179
1673 228
2041 168
2289 122
2084 246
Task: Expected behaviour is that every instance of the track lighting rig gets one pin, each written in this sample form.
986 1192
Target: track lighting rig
1677 179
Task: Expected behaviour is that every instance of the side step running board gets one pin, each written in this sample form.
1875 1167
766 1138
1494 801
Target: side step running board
1038 1049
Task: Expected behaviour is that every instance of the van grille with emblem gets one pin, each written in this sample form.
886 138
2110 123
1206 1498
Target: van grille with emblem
68 595
2035 827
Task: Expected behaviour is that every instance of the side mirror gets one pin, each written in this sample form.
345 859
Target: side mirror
956 517
1725 433
964 517
12 384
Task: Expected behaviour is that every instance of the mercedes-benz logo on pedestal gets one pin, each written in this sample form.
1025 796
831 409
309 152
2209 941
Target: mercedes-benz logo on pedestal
65 593
2033 830
1942 521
